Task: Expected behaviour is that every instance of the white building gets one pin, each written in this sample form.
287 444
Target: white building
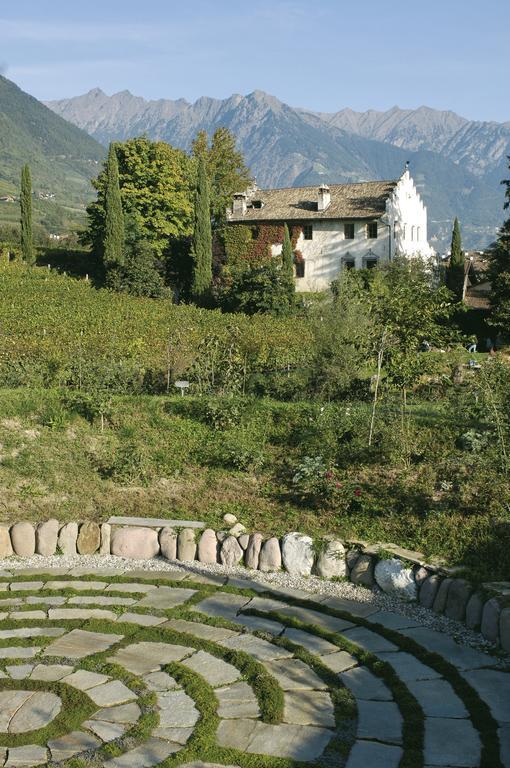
343 226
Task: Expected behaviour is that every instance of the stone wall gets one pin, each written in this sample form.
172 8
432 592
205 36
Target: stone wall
393 570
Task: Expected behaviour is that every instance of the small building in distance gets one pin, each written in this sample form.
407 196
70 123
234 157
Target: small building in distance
341 226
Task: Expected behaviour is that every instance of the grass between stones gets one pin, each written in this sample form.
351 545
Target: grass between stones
76 707
269 694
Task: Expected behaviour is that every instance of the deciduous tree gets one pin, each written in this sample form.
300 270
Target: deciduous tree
499 272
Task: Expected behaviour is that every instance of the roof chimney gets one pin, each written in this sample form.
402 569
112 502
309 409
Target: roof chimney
239 207
324 198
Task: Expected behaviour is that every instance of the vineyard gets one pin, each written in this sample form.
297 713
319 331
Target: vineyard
58 331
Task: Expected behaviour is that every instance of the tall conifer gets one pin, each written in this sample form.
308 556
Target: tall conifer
455 277
113 244
287 268
27 246
201 247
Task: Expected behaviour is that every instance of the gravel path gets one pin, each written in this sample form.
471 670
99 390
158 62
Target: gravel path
108 564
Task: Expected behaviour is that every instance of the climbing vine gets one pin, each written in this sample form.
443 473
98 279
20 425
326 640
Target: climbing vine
252 243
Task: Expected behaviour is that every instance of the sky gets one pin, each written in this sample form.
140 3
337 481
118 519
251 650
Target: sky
320 54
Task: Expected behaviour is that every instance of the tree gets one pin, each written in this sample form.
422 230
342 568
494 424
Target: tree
113 244
258 288
27 245
226 170
499 272
201 246
156 187
287 266
139 274
455 273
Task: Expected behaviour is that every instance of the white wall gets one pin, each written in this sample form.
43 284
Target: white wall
401 230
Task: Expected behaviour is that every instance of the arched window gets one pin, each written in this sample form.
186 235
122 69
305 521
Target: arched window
412 232
405 231
418 234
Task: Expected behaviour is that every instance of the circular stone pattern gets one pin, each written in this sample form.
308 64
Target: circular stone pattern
22 711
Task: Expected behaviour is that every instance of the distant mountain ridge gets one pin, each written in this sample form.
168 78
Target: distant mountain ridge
457 163
58 152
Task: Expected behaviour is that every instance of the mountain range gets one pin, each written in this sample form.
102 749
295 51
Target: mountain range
457 163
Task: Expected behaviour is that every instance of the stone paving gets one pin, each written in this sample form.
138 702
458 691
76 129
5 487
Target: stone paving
162 657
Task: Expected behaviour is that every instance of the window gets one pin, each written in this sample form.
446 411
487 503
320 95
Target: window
254 233
349 263
405 231
349 230
418 234
308 231
412 232
257 203
300 268
370 262
372 230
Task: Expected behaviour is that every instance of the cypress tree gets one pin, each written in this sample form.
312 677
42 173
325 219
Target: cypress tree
287 268
113 243
455 277
201 246
27 246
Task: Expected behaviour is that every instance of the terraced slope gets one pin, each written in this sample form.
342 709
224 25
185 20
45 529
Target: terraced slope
123 669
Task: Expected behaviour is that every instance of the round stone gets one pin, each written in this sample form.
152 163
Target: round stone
23 711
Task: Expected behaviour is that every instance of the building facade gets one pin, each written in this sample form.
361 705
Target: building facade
342 226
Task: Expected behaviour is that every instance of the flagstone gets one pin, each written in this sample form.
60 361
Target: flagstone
237 701
26 756
72 744
79 643
151 752
144 657
214 670
111 693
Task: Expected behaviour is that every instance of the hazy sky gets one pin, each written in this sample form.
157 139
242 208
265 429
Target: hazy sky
320 54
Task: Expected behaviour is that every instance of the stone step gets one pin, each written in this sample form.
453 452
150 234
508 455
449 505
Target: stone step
154 522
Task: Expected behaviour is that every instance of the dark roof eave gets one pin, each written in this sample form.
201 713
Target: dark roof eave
316 217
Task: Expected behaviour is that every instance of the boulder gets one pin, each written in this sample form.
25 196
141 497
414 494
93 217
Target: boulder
428 590
270 558
252 554
420 574
393 577
297 554
229 519
67 538
237 530
490 620
331 561
504 629
474 610
208 547
5 542
106 539
23 539
243 540
89 538
186 545
46 536
458 596
135 543
231 553
363 571
351 558
221 535
439 603
168 543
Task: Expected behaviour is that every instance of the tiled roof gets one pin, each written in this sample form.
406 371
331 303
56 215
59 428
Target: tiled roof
348 201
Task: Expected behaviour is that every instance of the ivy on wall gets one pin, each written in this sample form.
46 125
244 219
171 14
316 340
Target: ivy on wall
252 243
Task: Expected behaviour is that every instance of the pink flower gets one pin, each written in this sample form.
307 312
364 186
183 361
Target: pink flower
329 474
357 492
338 485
